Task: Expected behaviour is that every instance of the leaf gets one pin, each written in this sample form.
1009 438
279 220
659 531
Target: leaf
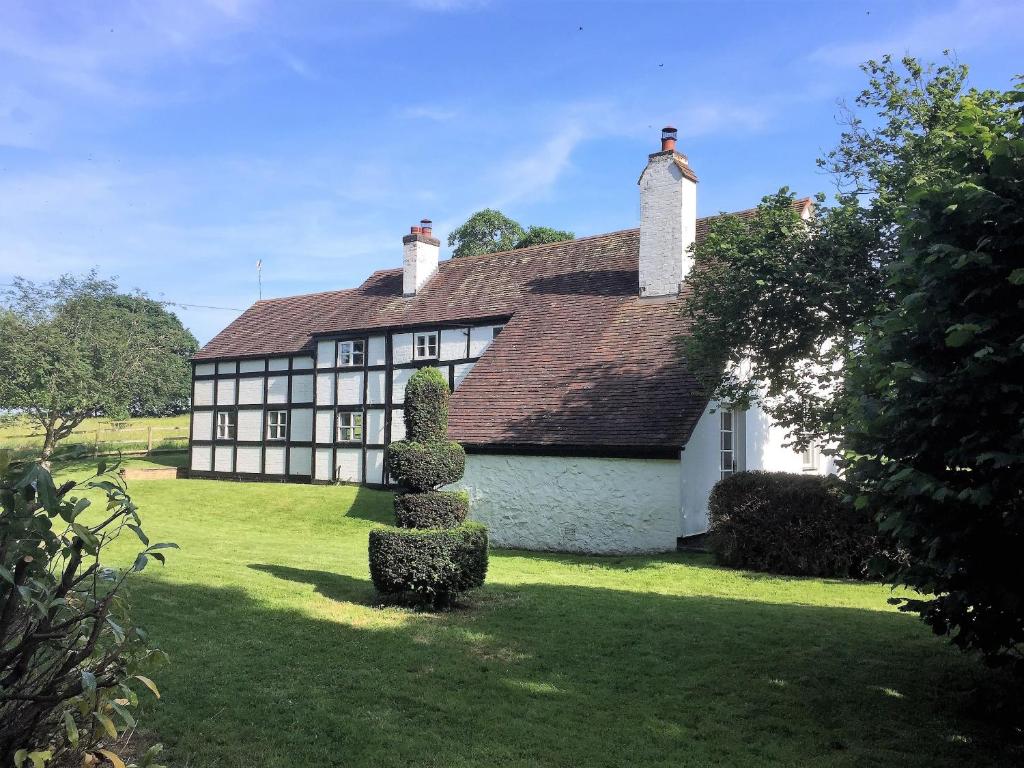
125 715
138 532
71 728
149 684
115 761
20 757
101 468
88 538
6 575
1017 276
960 334
107 723
81 505
140 562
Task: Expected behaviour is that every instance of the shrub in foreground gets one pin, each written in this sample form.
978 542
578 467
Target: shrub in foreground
790 524
432 509
428 566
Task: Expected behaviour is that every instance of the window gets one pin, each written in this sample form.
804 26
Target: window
277 425
727 445
350 353
426 345
809 457
225 425
496 331
350 427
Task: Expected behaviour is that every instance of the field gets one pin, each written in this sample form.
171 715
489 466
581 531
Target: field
131 435
280 656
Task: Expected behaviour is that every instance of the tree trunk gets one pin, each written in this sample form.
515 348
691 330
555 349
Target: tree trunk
49 444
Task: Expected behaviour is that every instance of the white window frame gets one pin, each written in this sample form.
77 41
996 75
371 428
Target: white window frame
727 433
810 457
349 427
351 354
277 425
227 425
425 345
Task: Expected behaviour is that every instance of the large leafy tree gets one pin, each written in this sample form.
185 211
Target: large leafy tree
777 303
490 231
77 347
935 436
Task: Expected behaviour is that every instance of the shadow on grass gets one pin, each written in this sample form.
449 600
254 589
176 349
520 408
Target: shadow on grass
551 675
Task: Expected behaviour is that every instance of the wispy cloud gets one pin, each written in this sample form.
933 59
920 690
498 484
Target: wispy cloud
966 26
432 112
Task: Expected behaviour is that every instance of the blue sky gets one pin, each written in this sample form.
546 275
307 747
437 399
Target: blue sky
174 143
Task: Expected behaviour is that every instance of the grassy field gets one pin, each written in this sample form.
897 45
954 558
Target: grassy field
279 656
26 437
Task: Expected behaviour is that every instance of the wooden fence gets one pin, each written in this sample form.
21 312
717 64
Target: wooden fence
123 439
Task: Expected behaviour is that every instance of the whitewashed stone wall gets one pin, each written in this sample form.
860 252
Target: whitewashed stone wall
575 504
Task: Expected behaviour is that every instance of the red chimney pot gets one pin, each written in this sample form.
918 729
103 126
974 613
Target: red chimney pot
426 226
668 139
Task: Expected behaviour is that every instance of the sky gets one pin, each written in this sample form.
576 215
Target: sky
173 143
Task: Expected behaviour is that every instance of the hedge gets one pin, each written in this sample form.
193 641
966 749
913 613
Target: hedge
426 406
431 566
789 524
432 509
425 466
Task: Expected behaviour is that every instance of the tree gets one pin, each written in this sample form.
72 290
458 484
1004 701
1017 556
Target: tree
777 304
434 554
490 231
71 661
76 347
935 439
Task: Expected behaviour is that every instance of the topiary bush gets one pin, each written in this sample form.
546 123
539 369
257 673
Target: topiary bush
428 565
790 524
433 555
432 509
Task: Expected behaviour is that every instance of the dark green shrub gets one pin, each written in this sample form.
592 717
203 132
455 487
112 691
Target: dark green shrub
426 406
428 566
432 509
791 524
425 466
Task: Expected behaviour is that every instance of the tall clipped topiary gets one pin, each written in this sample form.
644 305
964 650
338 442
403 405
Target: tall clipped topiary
432 554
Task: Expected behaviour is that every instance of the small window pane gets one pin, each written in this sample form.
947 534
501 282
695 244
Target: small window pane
350 427
426 345
350 353
277 425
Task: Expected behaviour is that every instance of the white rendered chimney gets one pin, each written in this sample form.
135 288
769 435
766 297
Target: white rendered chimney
420 250
668 219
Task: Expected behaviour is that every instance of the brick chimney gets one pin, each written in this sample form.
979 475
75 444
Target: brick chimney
420 250
668 219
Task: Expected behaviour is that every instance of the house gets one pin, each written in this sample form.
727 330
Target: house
583 428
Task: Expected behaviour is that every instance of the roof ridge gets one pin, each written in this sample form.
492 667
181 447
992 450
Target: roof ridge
302 296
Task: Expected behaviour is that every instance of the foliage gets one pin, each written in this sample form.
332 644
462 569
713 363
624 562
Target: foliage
786 300
75 347
936 437
431 509
434 555
428 566
490 231
791 524
71 661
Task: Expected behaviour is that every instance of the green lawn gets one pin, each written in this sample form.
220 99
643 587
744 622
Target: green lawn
280 659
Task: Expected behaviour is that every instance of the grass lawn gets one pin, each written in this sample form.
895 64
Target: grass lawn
280 659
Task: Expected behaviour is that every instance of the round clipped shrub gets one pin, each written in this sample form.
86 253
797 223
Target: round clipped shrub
426 406
432 509
428 566
786 523
425 466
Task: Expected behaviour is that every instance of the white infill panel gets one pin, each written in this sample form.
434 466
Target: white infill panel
202 425
302 389
350 388
323 464
250 425
300 461
453 344
277 389
325 389
274 461
401 348
376 351
204 392
461 372
302 363
325 354
375 426
480 339
302 425
226 391
202 458
222 458
226 367
278 364
247 459
325 426
397 425
250 391
205 369
400 378
375 387
350 465
251 366
375 466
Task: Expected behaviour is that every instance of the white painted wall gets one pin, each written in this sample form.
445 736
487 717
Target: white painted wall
205 369
668 225
453 344
575 504
302 389
225 391
250 391
300 461
247 459
202 425
274 460
250 425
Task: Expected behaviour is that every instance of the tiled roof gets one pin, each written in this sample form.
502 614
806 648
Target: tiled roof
583 365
